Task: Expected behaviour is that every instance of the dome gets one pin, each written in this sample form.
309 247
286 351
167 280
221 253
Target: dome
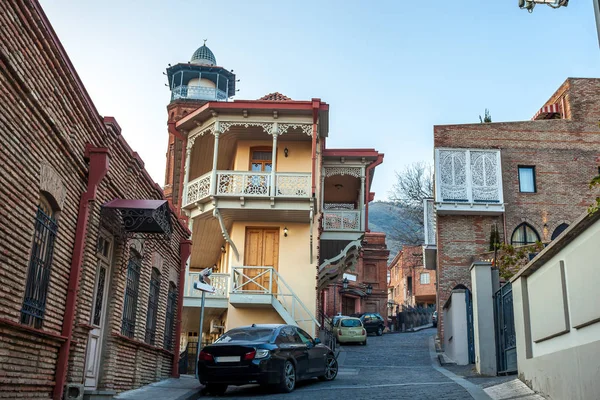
203 56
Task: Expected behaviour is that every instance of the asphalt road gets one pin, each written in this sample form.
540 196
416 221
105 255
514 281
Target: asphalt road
393 366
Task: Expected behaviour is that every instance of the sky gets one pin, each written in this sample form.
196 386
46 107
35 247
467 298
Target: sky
390 70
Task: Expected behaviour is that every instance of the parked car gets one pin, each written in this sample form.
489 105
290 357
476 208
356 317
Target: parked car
278 355
434 319
373 322
335 320
350 330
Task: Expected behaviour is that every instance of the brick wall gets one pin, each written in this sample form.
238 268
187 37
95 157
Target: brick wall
47 120
566 156
409 263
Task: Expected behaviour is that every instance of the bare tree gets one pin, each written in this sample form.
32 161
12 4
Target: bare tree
413 184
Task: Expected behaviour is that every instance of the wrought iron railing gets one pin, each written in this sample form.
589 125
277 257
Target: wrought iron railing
249 184
197 93
266 280
341 220
219 281
326 331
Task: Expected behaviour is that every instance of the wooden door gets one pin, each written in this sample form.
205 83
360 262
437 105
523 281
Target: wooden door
94 345
261 249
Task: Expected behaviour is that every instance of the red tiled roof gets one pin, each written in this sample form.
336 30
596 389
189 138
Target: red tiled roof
276 96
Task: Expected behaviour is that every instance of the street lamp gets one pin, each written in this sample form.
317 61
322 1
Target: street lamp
345 283
369 289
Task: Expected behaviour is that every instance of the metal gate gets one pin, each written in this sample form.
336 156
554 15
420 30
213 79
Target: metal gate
470 331
506 343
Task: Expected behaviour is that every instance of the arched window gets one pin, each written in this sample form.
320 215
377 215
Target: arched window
170 319
559 229
152 306
40 263
131 293
524 234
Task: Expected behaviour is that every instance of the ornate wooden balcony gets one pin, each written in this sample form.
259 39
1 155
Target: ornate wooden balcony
247 184
468 181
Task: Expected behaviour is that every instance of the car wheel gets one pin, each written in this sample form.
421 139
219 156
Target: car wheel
216 389
331 368
379 331
288 378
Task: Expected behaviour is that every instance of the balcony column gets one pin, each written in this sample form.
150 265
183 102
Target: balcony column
275 133
362 198
213 175
186 174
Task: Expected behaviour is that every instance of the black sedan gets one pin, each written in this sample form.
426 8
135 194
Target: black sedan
277 355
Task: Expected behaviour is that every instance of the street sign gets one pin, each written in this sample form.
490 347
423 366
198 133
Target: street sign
205 287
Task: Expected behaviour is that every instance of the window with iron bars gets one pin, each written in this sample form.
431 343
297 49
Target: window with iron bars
131 294
40 263
152 307
170 320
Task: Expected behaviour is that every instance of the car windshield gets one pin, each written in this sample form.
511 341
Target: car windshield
350 323
246 335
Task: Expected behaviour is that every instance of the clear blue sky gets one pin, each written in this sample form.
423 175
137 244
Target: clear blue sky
390 70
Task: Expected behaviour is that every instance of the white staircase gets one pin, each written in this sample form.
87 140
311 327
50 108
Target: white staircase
255 287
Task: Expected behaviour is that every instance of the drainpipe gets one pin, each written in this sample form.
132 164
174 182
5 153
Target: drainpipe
368 190
185 249
315 111
98 157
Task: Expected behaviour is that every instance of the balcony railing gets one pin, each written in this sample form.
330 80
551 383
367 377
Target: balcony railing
470 180
248 184
341 220
430 222
197 93
219 281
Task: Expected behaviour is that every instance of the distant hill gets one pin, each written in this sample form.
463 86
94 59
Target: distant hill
388 218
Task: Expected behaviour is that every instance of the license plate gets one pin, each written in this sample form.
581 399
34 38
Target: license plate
228 359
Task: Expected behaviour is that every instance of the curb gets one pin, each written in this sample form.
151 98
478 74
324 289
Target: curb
191 395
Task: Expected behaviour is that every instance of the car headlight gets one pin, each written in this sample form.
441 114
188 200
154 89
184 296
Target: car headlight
261 353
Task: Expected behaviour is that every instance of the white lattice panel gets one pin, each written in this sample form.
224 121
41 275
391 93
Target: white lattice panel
293 185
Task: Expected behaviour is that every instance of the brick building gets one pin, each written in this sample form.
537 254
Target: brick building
91 255
366 285
410 283
528 178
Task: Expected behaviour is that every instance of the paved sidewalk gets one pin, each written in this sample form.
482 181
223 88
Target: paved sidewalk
185 388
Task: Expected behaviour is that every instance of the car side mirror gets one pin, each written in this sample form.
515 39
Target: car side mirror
317 341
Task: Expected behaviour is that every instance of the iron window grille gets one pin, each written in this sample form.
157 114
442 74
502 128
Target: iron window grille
131 294
152 307
170 318
40 263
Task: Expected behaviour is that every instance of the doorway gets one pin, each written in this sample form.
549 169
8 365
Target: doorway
348 305
104 251
261 250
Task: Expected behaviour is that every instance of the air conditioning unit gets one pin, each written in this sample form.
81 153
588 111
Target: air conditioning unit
215 327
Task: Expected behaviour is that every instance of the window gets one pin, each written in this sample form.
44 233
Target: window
261 159
152 306
559 229
527 179
304 337
40 262
170 319
523 235
131 293
425 278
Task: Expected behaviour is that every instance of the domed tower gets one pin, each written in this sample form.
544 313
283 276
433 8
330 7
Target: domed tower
192 85
201 80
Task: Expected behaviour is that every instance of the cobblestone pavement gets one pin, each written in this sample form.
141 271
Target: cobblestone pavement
393 366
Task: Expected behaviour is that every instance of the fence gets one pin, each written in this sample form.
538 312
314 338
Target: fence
412 317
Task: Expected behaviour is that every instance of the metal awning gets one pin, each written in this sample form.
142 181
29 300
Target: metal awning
551 111
137 217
